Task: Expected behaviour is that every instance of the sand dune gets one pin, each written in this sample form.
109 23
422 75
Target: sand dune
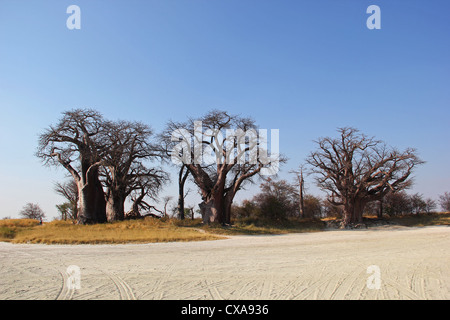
414 263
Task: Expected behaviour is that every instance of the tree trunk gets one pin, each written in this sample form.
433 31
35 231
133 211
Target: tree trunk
228 201
302 203
380 210
180 206
182 176
115 207
353 211
212 209
91 202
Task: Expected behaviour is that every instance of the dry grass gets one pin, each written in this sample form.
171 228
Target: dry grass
422 220
132 231
10 227
165 230
253 226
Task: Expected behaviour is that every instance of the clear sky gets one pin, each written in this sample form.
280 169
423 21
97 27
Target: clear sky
303 67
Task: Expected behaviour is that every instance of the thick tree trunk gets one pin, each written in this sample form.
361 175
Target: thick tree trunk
228 201
115 207
212 209
353 211
91 203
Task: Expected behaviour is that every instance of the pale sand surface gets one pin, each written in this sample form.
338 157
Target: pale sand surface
414 263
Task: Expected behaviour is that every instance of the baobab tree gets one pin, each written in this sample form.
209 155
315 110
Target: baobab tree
355 169
220 152
102 154
123 168
76 143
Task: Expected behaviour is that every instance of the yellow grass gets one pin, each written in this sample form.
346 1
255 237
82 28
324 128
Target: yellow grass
133 231
10 227
165 230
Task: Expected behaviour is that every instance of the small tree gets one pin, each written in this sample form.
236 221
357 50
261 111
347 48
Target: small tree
312 206
65 210
32 211
417 203
444 201
398 203
277 200
430 205
68 190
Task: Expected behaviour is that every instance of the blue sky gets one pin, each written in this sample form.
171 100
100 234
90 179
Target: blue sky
304 67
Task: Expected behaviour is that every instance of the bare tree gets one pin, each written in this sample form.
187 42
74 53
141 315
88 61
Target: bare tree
76 143
146 183
444 201
355 169
123 164
418 204
397 203
32 211
68 190
220 179
430 205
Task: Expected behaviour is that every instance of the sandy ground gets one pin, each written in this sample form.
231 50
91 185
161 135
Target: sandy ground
413 263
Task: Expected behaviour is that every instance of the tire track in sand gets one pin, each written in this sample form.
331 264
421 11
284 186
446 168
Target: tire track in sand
125 291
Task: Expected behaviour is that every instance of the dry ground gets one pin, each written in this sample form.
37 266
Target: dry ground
414 264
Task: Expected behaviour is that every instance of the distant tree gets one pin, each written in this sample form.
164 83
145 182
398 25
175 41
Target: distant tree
355 169
277 200
32 211
397 203
68 190
430 205
417 203
312 206
444 201
65 210
247 209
